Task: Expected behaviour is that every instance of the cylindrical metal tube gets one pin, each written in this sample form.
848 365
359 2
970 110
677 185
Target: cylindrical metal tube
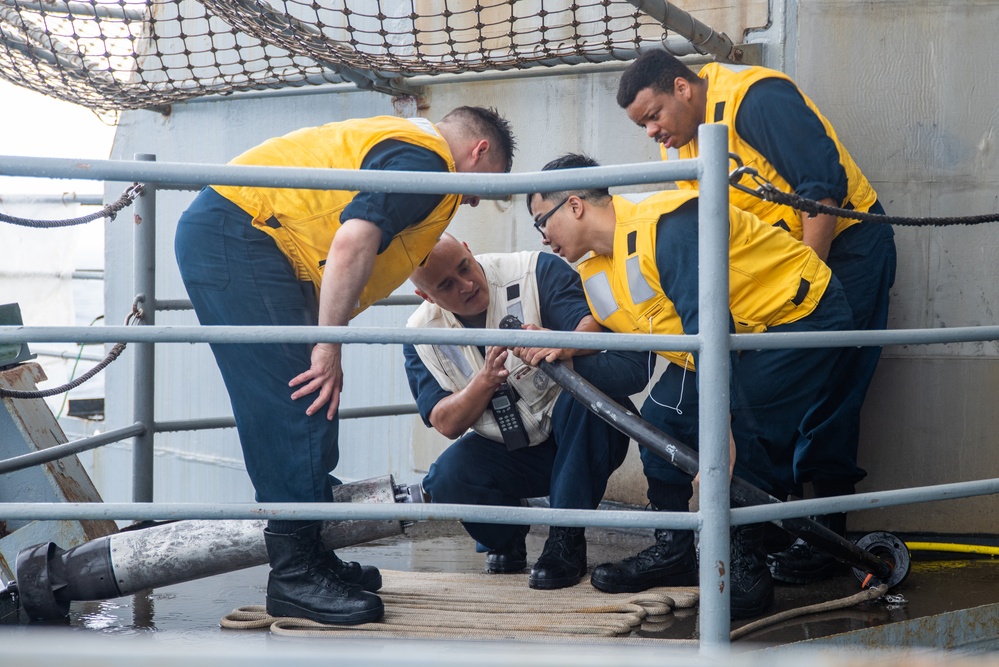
713 390
144 354
49 578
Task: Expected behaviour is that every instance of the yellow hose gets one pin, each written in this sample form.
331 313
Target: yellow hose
953 548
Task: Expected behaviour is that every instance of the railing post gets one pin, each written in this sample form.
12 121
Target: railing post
713 378
144 282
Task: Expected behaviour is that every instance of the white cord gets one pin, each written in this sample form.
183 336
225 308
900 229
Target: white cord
683 380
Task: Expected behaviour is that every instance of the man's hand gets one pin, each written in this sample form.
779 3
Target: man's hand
325 376
348 267
535 355
494 371
455 414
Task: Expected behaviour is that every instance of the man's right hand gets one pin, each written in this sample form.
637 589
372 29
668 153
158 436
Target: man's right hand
455 414
325 376
493 370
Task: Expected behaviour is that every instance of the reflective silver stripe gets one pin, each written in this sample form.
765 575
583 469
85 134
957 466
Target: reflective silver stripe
734 68
424 125
516 309
598 289
672 153
458 359
637 285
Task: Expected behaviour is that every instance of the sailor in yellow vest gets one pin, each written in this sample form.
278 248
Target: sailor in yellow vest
777 130
517 434
279 256
639 272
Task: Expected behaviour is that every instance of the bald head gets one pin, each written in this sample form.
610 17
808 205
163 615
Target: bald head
451 278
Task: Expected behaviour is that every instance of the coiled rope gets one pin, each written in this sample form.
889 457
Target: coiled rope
133 318
465 606
110 212
472 606
767 191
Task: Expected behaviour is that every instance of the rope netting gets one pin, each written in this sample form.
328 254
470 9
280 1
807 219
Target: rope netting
111 55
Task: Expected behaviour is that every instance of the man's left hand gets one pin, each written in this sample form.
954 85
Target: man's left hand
325 376
535 355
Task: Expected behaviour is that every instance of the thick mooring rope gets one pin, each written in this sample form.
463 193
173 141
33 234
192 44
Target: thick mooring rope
465 606
428 605
864 596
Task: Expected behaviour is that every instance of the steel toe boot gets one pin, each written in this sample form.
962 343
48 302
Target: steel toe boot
751 586
563 560
671 561
801 563
366 576
300 584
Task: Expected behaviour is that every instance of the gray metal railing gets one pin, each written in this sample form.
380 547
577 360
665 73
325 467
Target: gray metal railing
713 342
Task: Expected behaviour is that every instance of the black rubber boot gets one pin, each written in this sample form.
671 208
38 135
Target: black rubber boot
803 564
510 559
563 560
366 576
752 586
301 586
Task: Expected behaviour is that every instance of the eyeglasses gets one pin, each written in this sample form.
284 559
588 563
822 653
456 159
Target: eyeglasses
540 223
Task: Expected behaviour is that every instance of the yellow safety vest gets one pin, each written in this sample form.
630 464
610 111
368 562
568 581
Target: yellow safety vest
773 279
727 87
304 222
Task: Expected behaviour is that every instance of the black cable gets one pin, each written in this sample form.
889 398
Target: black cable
798 203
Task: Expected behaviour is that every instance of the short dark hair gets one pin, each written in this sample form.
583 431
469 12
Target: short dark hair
570 161
488 123
654 69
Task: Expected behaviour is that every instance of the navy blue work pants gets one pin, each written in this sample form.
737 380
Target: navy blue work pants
235 275
571 467
863 258
770 393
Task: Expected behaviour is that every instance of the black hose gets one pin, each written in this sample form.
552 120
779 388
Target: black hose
683 457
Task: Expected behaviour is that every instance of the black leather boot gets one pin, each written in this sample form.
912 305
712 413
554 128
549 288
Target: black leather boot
671 561
510 559
563 560
803 564
751 585
301 586
366 576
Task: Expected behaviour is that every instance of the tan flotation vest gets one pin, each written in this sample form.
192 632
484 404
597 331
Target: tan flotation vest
513 290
